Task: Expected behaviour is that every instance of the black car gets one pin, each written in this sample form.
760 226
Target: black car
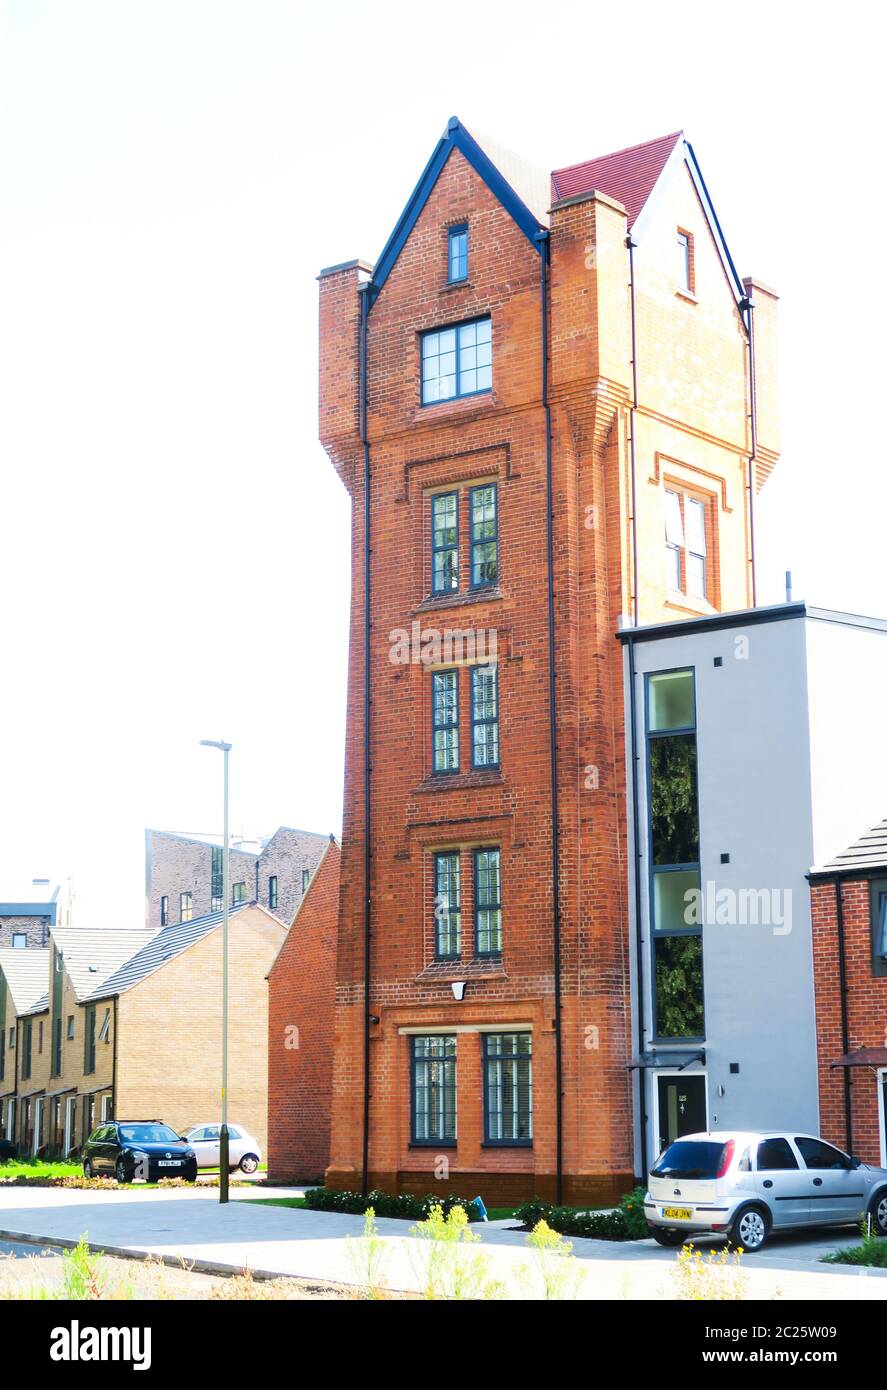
7 1150
132 1149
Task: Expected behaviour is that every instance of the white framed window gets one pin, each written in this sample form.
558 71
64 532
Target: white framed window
686 544
685 262
185 907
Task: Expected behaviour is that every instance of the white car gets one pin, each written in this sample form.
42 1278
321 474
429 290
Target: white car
745 1185
243 1150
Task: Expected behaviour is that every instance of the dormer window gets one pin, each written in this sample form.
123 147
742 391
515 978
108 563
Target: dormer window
458 254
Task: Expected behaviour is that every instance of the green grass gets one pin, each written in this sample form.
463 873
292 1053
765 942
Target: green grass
298 1202
872 1253
37 1168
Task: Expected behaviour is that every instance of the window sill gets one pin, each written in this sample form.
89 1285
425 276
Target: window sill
459 781
687 295
474 968
507 1144
432 1144
456 285
684 604
459 599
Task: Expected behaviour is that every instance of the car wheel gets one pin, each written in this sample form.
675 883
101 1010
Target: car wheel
249 1163
750 1229
120 1171
666 1237
878 1212
87 1169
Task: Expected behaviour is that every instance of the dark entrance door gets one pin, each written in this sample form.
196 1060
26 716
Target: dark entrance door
681 1107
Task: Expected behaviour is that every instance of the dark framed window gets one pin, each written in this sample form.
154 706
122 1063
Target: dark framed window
105 1030
70 1029
673 833
217 879
457 258
445 721
457 361
447 906
484 535
433 1089
164 911
878 891
508 1088
238 893
445 542
306 879
89 1041
186 907
27 1042
487 903
484 716
272 891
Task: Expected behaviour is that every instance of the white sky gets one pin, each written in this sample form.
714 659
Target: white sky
174 549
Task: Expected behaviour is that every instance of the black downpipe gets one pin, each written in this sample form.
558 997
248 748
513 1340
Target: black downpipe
638 927
635 603
544 248
845 1029
365 1162
753 422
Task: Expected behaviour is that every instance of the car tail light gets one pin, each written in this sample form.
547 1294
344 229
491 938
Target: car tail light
726 1158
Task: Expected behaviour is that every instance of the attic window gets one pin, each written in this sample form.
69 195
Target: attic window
686 263
457 240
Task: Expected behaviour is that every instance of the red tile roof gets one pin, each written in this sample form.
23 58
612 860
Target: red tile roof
628 175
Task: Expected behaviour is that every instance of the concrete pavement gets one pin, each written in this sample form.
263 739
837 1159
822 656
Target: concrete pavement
190 1225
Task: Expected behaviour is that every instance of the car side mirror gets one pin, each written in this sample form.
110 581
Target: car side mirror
856 1163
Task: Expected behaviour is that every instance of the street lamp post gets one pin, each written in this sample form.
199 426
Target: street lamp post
225 749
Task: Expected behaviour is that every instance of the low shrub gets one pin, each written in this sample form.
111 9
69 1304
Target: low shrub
626 1222
403 1207
872 1252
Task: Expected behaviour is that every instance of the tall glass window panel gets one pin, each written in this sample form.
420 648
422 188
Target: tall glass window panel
696 550
670 702
485 716
484 535
434 1089
674 801
445 721
675 906
458 254
487 903
445 542
447 906
674 539
508 1088
475 357
439 366
678 987
684 262
881 944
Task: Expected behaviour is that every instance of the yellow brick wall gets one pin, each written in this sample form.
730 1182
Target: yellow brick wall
169 1045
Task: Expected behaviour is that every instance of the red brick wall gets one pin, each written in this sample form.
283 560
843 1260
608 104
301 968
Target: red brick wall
866 1014
501 437
301 996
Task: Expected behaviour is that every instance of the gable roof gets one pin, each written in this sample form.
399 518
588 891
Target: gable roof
27 974
164 946
868 852
90 956
629 175
533 186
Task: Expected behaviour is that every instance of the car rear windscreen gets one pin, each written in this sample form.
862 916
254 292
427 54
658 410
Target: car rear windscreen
689 1158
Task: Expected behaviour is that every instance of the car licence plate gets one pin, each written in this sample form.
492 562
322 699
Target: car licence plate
678 1213
168 1162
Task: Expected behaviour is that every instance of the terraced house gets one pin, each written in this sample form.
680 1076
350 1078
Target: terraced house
552 402
23 976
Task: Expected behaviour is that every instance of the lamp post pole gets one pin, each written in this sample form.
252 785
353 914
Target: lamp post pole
225 749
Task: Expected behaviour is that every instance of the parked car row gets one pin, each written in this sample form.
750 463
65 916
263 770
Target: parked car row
150 1149
746 1185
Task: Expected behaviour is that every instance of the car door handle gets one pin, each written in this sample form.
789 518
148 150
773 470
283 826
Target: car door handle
817 1182
768 1182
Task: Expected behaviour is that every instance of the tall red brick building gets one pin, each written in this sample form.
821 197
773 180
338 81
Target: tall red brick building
552 403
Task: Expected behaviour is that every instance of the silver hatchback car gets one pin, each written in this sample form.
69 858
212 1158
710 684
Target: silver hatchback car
243 1150
745 1185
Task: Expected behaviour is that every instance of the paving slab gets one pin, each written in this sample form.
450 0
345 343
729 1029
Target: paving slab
190 1225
